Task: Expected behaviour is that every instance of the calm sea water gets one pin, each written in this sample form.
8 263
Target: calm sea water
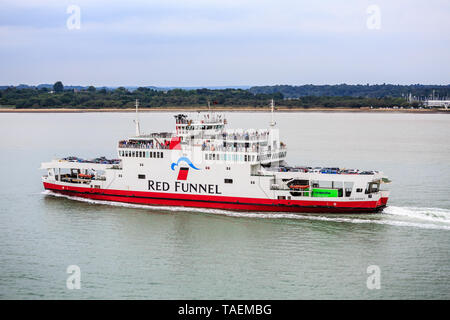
137 252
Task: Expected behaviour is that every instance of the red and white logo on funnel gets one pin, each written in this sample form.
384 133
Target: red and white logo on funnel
183 172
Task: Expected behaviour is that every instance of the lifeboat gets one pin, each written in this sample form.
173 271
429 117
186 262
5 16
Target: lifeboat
296 186
85 176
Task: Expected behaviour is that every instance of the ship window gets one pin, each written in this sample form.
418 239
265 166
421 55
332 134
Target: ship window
141 176
281 198
162 154
228 180
358 190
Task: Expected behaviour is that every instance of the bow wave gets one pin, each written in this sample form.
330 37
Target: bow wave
175 164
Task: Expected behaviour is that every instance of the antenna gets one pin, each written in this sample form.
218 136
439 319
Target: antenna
138 131
272 122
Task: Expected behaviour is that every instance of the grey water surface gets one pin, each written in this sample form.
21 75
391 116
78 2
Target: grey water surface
137 252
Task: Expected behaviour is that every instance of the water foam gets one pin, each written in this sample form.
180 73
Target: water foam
426 214
435 218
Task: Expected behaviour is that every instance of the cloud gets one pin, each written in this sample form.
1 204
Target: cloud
202 42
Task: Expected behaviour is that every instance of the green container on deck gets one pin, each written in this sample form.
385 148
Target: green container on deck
330 193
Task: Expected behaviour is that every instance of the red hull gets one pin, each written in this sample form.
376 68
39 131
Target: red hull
220 202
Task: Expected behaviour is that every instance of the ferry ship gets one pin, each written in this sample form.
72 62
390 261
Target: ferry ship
206 165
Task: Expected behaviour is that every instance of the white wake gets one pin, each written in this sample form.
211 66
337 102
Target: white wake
425 218
426 214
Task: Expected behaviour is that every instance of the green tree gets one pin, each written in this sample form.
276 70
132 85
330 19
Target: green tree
58 86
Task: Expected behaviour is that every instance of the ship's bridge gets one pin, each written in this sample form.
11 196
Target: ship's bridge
210 124
209 135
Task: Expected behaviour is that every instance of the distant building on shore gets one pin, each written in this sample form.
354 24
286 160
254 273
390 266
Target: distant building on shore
437 103
432 101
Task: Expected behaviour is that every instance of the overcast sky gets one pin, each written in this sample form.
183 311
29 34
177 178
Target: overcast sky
225 43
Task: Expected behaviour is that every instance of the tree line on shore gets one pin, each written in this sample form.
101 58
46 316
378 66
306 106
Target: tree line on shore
368 91
92 98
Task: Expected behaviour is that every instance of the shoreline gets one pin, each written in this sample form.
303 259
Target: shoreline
228 109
